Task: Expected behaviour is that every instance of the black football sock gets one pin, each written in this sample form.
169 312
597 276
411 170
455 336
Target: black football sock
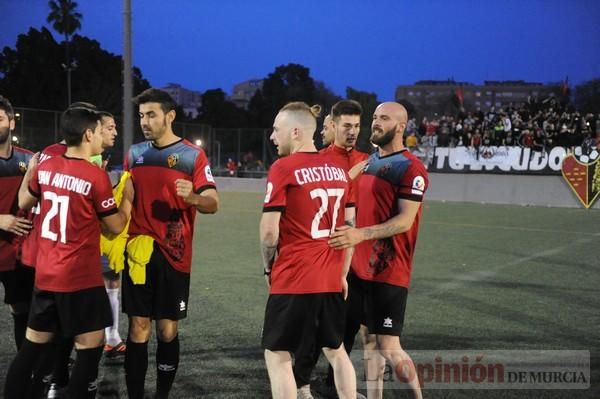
136 365
330 381
84 377
20 325
42 370
167 361
19 372
60 372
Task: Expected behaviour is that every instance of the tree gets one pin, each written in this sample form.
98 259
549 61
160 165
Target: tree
587 96
218 112
28 73
66 20
258 110
28 77
291 82
64 17
325 97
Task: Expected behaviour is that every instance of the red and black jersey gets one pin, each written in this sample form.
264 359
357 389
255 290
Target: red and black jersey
12 170
53 150
311 193
383 182
73 195
29 246
158 211
348 159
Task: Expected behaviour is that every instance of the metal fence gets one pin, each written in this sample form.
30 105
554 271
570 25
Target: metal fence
36 128
250 149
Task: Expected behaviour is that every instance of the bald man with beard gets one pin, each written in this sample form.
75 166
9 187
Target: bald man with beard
328 133
389 203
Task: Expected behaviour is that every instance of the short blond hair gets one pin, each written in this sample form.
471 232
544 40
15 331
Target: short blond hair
302 107
300 114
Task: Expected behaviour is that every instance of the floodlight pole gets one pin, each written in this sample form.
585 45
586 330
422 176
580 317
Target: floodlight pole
127 78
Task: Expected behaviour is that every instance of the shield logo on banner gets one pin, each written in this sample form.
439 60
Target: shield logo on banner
583 178
172 159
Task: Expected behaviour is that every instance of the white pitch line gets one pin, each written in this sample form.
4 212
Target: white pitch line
496 227
462 279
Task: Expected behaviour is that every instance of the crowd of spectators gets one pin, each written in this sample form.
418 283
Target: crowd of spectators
536 124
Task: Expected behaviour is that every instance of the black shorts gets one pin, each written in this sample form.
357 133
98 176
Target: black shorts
379 306
165 294
70 313
294 320
107 272
18 284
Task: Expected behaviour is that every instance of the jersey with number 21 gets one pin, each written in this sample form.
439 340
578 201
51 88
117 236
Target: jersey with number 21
74 194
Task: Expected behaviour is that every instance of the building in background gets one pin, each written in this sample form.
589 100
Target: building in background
445 96
189 100
243 92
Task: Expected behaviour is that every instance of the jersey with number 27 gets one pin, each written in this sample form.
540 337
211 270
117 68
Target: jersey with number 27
73 194
311 193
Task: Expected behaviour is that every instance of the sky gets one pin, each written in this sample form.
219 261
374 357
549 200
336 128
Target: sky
370 45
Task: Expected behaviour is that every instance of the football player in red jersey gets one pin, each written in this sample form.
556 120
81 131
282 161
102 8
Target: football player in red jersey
60 358
327 132
69 295
389 203
343 128
114 347
306 198
16 279
173 181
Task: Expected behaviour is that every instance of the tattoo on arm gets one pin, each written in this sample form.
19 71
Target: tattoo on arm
383 231
268 253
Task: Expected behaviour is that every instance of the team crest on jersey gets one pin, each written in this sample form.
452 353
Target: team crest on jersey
22 167
384 170
583 178
172 160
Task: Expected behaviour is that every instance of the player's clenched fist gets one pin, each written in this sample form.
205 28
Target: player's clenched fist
185 189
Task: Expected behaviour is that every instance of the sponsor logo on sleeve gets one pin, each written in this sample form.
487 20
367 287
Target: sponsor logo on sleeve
208 174
418 185
108 203
269 191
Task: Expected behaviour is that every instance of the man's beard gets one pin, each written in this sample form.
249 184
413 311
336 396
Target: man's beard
155 133
4 135
385 138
